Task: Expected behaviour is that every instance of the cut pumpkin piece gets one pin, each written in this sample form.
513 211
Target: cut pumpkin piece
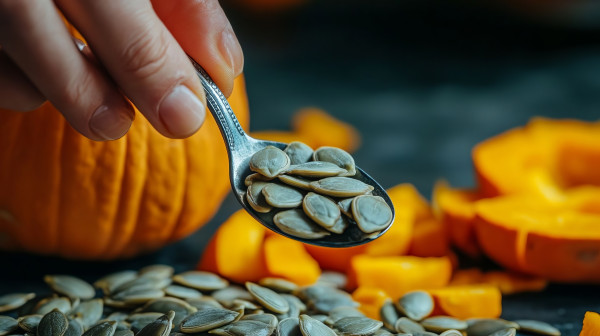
470 276
591 324
543 158
397 275
236 249
468 301
287 258
555 240
371 299
512 283
429 239
316 128
456 209
407 196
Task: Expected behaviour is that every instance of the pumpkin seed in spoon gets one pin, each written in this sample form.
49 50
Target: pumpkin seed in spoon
371 213
321 209
337 156
298 152
339 186
345 206
295 223
340 225
295 181
256 177
269 161
255 197
316 169
282 196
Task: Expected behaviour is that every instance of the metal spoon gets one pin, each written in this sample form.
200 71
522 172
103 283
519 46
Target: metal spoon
240 147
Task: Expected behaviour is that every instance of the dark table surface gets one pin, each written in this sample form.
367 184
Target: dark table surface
423 81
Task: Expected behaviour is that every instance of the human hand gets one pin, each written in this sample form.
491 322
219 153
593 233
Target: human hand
137 49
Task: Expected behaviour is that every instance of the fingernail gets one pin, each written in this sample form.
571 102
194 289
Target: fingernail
231 51
110 123
182 112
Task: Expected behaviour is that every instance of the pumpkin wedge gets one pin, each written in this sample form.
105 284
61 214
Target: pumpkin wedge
371 299
287 258
591 324
468 301
558 240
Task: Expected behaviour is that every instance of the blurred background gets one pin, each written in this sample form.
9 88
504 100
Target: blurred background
423 81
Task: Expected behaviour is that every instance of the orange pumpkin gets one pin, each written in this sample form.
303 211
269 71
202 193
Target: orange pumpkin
63 194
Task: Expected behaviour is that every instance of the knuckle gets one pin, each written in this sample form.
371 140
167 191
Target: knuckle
145 54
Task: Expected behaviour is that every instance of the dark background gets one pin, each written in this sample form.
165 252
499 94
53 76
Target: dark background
423 82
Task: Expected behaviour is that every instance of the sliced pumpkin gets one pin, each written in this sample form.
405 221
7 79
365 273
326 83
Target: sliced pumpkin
236 249
371 299
470 276
557 240
429 239
456 209
397 275
468 301
591 324
287 258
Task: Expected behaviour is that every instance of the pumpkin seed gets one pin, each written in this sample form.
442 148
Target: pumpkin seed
371 213
282 196
486 326
204 302
537 327
256 199
164 305
321 209
295 181
140 320
48 304
295 222
339 313
268 298
341 224
123 333
182 292
244 328
278 284
102 328
7 325
345 206
268 319
333 279
137 295
316 169
357 325
90 311
388 314
288 327
157 271
52 324
312 327
406 325
109 283
296 307
201 280
226 296
337 156
207 319
70 286
331 300
383 332
117 316
320 317
269 161
505 332
30 322
14 301
256 177
298 152
75 328
161 327
340 187
108 302
415 305
246 305
439 324
138 284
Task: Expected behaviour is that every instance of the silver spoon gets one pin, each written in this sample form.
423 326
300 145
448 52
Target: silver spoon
240 148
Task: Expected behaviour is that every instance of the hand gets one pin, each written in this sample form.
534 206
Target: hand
137 48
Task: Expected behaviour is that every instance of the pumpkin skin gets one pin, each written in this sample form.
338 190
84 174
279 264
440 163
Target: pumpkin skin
63 194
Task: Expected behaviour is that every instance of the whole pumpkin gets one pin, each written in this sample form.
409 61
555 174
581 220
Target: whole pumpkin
63 194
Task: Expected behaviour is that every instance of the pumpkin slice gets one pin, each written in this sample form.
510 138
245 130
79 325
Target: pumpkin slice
397 275
541 158
591 324
371 299
406 195
456 209
555 240
236 249
468 301
470 276
279 251
429 239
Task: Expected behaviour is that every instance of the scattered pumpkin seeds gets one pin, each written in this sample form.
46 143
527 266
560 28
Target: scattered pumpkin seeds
487 326
415 305
278 284
13 301
388 314
207 319
103 328
53 323
439 324
406 325
7 325
357 325
268 298
182 292
201 280
289 327
313 327
505 332
537 327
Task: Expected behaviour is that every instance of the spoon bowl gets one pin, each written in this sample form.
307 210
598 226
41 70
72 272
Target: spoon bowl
240 148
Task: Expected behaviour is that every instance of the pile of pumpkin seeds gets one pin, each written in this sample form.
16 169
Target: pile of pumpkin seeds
314 192
154 302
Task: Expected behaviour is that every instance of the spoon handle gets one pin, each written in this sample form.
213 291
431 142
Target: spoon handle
234 135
